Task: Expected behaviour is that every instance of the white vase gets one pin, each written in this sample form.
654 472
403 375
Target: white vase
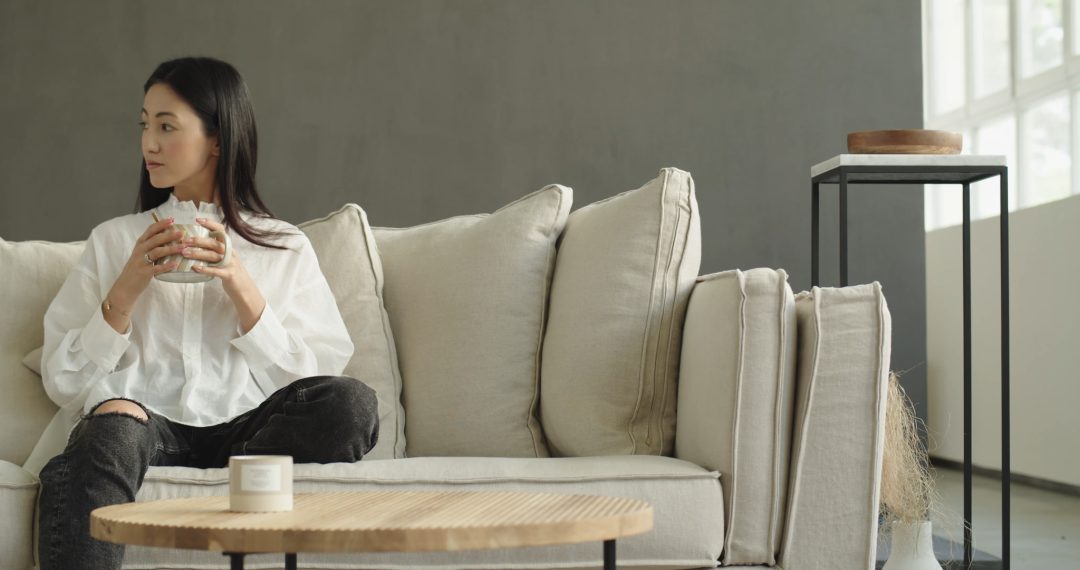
912 547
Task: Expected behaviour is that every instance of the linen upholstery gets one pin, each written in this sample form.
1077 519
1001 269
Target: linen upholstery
829 520
623 276
32 272
687 503
736 393
467 300
18 494
349 259
845 343
32 360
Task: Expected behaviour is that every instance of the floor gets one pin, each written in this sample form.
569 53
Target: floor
1045 525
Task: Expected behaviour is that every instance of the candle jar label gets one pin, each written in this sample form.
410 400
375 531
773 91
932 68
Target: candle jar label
260 478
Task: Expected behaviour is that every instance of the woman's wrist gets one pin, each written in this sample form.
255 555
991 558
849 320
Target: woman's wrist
119 319
118 302
249 306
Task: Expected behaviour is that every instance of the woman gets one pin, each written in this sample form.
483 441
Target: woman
163 373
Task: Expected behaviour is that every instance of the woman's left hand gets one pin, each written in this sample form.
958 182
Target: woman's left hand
234 278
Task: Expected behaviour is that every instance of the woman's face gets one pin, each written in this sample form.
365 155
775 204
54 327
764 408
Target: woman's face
173 137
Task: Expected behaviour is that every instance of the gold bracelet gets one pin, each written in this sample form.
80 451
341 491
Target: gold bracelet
108 307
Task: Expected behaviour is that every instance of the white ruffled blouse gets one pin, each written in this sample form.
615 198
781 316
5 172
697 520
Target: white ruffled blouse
184 355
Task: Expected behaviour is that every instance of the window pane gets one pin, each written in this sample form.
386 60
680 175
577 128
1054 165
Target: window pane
991 38
1076 140
998 137
1041 35
1046 167
944 203
1076 22
946 55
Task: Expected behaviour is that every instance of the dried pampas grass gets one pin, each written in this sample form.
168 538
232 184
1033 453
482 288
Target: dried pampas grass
907 487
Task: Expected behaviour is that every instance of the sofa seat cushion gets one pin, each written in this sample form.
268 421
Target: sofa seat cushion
687 502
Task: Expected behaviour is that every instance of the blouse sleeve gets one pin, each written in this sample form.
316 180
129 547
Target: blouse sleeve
80 348
302 337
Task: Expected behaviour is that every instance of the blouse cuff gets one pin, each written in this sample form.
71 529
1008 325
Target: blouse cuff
265 342
103 345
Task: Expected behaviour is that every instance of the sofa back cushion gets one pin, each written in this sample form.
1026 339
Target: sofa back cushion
844 351
466 298
623 275
345 246
737 389
31 272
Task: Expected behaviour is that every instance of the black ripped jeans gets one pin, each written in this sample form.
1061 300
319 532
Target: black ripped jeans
321 419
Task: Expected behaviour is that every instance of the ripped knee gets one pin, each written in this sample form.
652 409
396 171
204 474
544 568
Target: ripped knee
121 406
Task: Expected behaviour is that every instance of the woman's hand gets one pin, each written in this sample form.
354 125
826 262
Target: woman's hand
235 279
156 242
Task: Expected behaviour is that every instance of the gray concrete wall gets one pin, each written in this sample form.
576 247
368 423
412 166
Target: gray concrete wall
426 109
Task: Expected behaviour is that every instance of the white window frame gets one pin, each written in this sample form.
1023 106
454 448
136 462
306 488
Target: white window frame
1020 95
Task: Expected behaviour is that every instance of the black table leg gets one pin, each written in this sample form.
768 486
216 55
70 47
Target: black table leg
814 215
966 233
236 560
609 555
1006 476
843 228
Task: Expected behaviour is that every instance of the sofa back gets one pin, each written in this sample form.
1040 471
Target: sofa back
736 401
468 301
31 273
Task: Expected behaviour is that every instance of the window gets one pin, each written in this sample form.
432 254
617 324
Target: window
1006 74
1042 35
990 34
944 203
1075 22
1046 158
947 23
996 137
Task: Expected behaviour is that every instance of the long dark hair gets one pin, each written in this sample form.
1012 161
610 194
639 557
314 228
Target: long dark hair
220 98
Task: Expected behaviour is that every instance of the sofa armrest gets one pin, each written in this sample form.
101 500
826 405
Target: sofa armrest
736 392
18 501
845 338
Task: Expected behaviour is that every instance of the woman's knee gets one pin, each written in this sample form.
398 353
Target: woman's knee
354 408
114 432
341 391
353 391
121 406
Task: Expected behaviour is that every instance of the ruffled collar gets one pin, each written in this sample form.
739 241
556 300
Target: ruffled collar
187 210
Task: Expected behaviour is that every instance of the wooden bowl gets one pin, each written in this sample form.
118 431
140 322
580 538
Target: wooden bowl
908 141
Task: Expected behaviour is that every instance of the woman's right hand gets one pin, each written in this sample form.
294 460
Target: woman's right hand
159 240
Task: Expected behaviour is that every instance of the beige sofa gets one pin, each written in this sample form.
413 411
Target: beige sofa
540 349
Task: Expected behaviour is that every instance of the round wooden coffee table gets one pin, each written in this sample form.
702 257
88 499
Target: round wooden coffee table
377 521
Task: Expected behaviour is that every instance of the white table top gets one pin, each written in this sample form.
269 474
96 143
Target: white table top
906 160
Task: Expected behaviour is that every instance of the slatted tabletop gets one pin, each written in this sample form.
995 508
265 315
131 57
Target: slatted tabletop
378 521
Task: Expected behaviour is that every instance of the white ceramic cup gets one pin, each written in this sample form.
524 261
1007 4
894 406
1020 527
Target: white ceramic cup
184 272
260 483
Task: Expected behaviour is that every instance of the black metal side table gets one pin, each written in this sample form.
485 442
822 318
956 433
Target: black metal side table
965 170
